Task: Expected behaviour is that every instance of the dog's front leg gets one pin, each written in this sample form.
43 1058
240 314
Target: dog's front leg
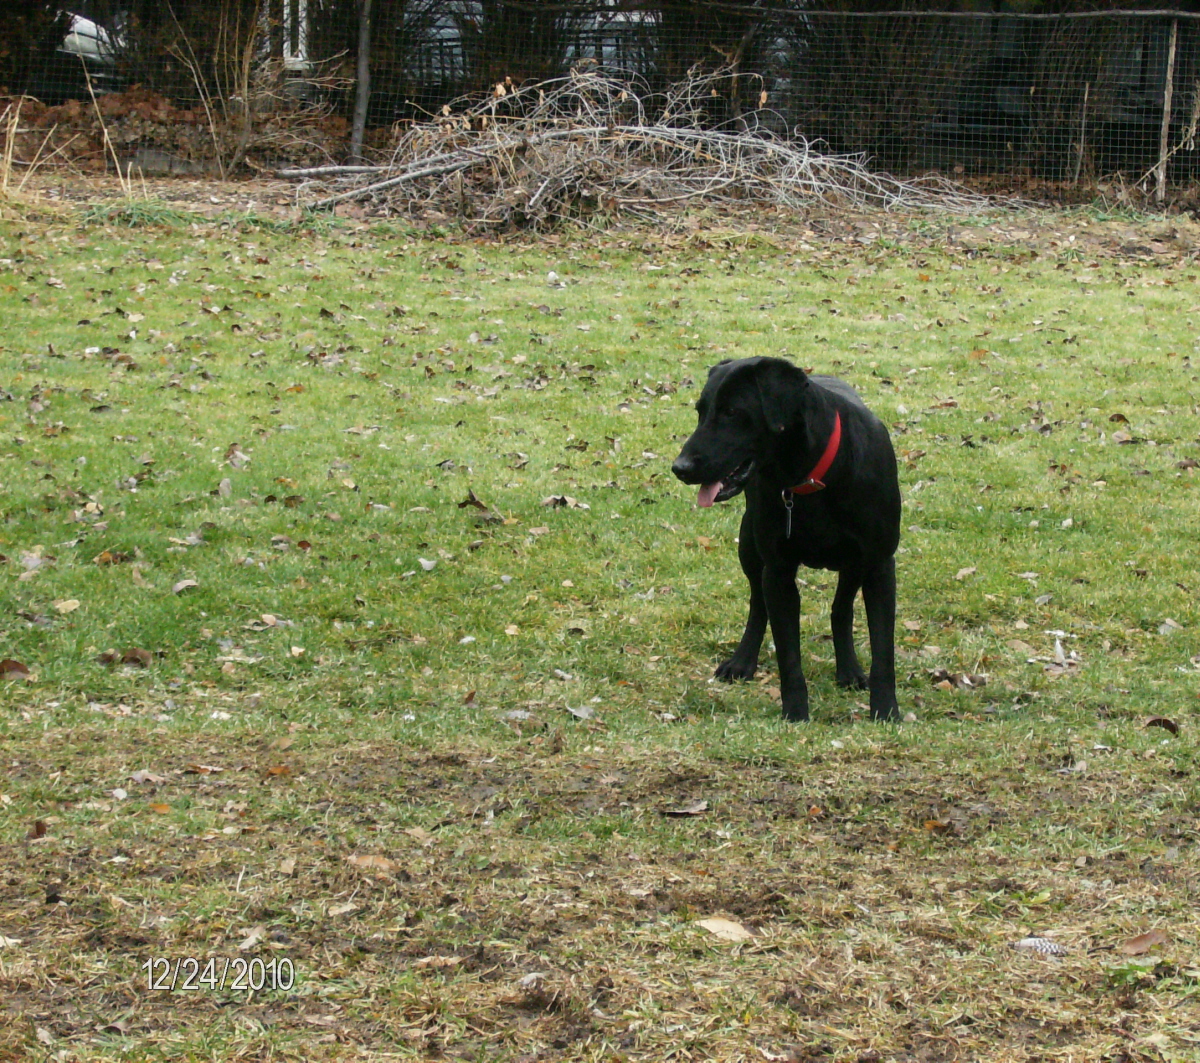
783 607
744 662
879 598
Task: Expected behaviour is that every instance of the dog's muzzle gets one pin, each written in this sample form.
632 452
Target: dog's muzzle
721 490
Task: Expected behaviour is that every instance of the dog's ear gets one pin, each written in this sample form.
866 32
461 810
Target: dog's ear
713 368
781 388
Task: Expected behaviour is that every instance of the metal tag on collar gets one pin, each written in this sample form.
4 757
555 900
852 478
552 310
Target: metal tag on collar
788 502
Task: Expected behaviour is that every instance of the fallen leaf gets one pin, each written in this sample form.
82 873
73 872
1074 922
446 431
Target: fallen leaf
141 658
1164 722
288 866
1143 943
68 605
109 557
725 929
438 961
159 808
144 777
371 863
343 909
512 629
696 808
944 680
963 573
256 935
584 712
10 669
1169 627
183 585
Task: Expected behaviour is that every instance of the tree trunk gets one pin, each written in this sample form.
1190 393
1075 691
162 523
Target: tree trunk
363 93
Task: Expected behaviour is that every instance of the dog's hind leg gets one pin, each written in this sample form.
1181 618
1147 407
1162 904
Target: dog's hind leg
744 662
879 597
841 621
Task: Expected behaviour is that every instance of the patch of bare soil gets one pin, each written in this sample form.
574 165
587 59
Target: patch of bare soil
1079 236
533 905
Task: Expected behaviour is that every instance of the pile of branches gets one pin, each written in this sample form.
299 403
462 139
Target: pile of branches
589 143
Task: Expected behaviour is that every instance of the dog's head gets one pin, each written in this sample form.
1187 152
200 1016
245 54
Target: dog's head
743 406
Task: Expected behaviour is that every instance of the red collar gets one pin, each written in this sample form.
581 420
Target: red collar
813 483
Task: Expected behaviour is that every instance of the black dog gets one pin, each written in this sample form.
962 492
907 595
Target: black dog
821 489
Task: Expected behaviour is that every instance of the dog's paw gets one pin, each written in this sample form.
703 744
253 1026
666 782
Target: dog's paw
733 670
855 680
884 706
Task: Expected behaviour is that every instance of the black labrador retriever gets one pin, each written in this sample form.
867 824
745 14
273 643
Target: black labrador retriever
819 474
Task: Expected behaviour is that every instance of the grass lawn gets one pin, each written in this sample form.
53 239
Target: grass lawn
357 638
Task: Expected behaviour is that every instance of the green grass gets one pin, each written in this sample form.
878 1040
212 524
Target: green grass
291 417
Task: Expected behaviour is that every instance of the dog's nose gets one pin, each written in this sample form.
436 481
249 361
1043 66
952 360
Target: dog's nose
683 467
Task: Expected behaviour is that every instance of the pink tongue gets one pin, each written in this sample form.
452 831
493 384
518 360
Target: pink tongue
708 494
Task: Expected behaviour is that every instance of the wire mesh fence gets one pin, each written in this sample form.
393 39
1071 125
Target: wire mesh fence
1065 97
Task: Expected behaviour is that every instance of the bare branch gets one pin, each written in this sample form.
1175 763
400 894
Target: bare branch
586 144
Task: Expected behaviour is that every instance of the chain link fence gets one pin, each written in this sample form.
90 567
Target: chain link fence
1064 97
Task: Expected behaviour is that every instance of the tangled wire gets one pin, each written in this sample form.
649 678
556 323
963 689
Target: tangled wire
588 143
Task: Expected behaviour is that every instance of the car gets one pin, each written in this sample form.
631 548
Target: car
86 53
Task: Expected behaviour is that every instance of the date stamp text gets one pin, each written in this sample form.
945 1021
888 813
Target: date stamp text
236 974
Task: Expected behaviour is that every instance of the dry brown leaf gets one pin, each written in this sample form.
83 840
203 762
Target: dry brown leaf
1143 943
10 669
1164 722
371 862
255 935
438 961
963 573
725 929
696 808
159 808
142 776
183 585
